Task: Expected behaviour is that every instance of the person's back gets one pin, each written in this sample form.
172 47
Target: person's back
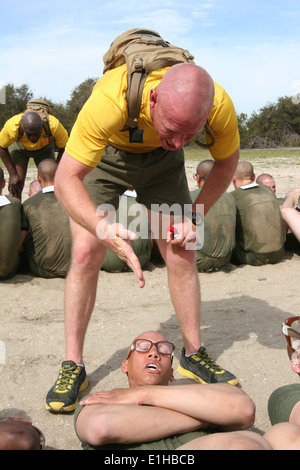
47 247
219 225
260 234
48 243
10 232
219 233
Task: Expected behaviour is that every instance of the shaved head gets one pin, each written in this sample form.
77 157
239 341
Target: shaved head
244 171
32 125
180 104
189 89
32 119
204 167
244 174
266 180
46 170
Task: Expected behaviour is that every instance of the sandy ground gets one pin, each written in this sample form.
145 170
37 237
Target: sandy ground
242 311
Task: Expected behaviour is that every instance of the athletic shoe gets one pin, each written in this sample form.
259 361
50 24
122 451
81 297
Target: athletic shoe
63 396
201 367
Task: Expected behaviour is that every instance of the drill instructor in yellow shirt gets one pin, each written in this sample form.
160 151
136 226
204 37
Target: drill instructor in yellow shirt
100 163
16 148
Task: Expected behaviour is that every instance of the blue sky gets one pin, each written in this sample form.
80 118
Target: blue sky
251 48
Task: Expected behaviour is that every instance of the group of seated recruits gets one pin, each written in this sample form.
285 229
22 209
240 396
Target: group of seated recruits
35 235
150 415
248 225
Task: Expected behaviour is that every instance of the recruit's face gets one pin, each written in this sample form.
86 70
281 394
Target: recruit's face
151 367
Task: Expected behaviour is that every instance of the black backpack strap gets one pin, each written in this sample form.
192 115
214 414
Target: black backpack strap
134 100
209 132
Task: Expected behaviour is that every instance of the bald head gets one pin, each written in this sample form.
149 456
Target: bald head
46 172
267 180
34 187
244 174
152 334
189 90
202 171
205 167
32 125
180 105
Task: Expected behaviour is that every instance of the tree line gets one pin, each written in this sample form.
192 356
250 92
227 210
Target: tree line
274 125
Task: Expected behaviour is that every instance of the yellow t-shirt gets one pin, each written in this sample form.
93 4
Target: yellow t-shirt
105 113
10 133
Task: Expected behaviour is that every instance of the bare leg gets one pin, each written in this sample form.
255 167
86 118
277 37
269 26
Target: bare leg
184 290
284 436
291 218
81 288
238 440
291 199
295 414
80 293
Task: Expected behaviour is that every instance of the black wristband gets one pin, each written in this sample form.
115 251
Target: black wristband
197 219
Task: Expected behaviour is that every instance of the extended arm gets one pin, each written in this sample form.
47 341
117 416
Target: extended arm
15 185
72 194
291 218
174 409
123 424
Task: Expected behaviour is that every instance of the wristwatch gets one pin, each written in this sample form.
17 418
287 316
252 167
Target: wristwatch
197 219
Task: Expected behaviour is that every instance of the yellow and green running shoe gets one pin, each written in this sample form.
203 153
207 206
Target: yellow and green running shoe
201 367
63 396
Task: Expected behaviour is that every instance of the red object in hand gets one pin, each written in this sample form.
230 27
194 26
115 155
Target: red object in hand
172 230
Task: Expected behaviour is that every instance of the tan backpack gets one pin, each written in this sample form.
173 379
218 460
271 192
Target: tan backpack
43 109
142 50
